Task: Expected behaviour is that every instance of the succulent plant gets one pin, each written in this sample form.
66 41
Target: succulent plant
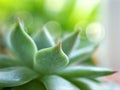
38 63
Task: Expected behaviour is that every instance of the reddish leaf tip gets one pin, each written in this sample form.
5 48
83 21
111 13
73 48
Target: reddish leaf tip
115 72
79 30
59 44
18 20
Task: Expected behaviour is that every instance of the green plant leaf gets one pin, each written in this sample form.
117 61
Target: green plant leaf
82 54
33 85
23 44
96 80
54 29
6 61
69 42
50 60
58 83
90 84
43 39
80 84
15 76
85 71
7 41
85 42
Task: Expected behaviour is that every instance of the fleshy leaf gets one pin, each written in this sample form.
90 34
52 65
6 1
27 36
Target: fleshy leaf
82 54
69 42
58 83
6 61
50 60
15 76
23 44
33 85
7 41
96 80
80 84
90 84
43 39
54 29
85 71
85 42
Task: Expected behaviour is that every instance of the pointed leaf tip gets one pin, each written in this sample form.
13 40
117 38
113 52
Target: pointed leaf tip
20 23
59 44
78 31
22 44
50 60
85 71
114 72
18 20
70 41
43 39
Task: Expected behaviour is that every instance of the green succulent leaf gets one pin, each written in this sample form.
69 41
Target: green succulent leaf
6 61
23 44
85 71
96 80
33 85
80 84
85 42
89 84
58 83
7 41
69 42
43 39
50 60
82 54
15 76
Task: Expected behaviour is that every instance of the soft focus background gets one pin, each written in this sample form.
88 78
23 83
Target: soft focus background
95 17
68 13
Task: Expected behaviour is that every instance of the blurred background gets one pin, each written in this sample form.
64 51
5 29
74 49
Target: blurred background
68 13
98 19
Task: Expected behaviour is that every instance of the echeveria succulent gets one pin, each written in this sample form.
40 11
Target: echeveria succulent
38 63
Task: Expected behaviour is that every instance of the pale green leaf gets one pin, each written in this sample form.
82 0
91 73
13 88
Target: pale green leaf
85 71
82 54
96 80
15 76
54 29
85 42
50 60
43 39
92 85
80 84
33 85
58 83
69 42
23 44
7 42
6 61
